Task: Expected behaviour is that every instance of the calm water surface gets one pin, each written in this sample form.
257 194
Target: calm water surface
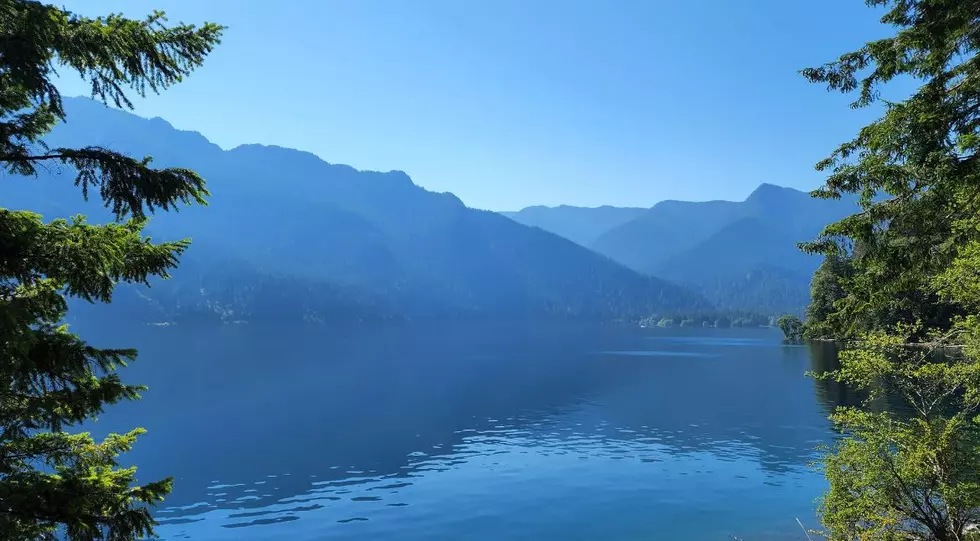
483 433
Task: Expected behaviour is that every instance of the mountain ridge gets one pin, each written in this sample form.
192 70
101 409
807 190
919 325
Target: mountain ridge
578 224
329 239
741 255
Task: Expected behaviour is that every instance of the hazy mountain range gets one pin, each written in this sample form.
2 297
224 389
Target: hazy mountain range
582 225
740 255
289 236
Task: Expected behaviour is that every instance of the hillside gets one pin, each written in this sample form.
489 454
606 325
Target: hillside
665 230
289 236
582 225
741 255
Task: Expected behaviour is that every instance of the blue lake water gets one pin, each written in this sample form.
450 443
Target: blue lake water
487 432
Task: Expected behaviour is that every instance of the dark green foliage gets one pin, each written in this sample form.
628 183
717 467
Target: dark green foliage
826 289
53 483
708 318
792 328
111 53
915 169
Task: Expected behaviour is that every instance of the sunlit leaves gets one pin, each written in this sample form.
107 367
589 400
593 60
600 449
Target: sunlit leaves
85 477
912 473
85 260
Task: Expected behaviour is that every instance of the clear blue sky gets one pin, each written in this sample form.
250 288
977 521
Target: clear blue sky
509 103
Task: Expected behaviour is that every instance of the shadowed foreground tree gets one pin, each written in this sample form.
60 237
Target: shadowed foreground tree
55 484
826 288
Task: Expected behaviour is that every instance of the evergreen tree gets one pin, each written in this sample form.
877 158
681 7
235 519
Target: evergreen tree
54 483
792 328
916 168
826 288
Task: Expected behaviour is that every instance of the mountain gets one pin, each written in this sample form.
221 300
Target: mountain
763 290
660 240
741 255
667 229
770 224
289 236
583 225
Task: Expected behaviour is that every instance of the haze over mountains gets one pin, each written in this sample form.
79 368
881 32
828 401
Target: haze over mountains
582 225
289 236
740 255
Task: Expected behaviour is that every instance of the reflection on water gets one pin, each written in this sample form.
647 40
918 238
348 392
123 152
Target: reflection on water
489 432
832 394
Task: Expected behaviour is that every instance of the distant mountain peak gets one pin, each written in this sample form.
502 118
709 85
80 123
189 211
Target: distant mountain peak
81 106
581 225
572 208
709 245
281 152
772 190
285 153
397 176
114 125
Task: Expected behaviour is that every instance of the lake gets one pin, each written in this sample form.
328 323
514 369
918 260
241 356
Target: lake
491 432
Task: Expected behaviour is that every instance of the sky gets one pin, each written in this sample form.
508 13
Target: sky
511 103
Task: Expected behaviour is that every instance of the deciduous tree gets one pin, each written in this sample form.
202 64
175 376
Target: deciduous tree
913 473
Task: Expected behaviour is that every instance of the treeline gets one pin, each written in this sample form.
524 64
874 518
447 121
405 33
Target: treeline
712 319
236 292
867 287
765 290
